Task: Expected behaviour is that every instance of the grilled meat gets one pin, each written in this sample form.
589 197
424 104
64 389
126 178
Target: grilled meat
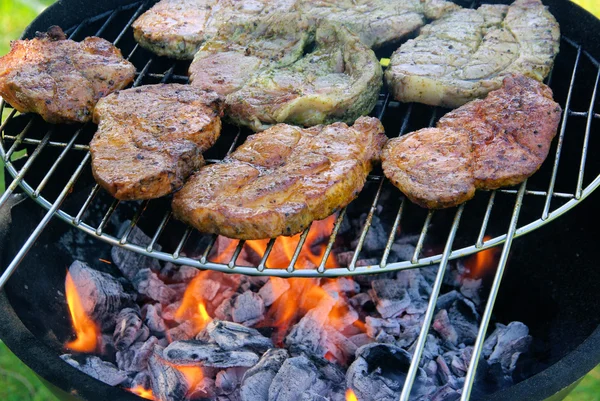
377 22
177 28
266 83
61 79
485 144
240 51
465 54
282 179
151 138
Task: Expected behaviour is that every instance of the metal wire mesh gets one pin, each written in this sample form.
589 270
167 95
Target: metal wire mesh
540 197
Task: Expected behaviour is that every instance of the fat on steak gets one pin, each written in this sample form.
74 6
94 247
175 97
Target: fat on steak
377 22
60 79
151 138
281 179
286 70
177 28
465 54
486 144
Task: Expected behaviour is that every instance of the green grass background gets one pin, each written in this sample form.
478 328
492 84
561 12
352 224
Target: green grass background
17 382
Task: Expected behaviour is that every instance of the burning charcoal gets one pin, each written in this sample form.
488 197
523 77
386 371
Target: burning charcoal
417 286
470 288
296 376
346 317
252 283
169 312
195 352
459 360
444 393
153 319
147 283
204 390
401 252
101 294
184 331
178 273
93 366
391 299
229 380
232 336
178 288
505 345
376 237
410 327
308 335
443 370
359 300
224 310
377 325
342 284
128 262
339 345
248 309
379 371
128 326
432 347
273 289
258 379
441 324
142 379
462 314
136 357
344 258
168 383
361 339
367 262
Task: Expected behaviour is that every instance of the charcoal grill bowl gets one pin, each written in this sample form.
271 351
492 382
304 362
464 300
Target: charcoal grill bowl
562 268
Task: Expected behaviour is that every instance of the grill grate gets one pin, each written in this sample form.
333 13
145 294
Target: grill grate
70 158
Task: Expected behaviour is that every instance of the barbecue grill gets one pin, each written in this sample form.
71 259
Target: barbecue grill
58 168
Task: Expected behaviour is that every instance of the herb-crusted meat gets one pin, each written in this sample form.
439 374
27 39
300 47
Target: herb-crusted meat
281 179
485 144
151 138
465 54
177 28
61 79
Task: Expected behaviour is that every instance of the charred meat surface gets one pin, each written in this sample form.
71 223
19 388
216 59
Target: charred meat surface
284 70
378 22
60 79
151 138
465 54
177 28
282 179
485 144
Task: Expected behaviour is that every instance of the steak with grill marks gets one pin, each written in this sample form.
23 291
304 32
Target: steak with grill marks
151 138
466 54
281 179
486 144
177 28
61 79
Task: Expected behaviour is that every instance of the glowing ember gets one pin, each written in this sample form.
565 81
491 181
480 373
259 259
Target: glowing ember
86 331
142 392
193 305
350 396
193 374
482 261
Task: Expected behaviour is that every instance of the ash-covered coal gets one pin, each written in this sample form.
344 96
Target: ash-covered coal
192 335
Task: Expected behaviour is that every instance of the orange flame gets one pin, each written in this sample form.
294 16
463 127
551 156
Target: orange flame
193 375
193 305
142 392
86 331
482 261
350 396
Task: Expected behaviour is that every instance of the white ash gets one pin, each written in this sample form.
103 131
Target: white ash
257 380
97 368
200 353
231 336
128 262
273 289
152 314
147 283
128 328
135 358
168 383
248 309
178 273
184 331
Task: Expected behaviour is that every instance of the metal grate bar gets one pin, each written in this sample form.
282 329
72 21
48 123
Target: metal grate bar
421 242
291 266
236 254
18 140
586 140
159 230
133 18
365 229
561 137
86 204
45 220
263 261
186 236
486 220
538 193
107 22
107 216
133 222
392 237
209 247
54 144
428 318
332 237
487 314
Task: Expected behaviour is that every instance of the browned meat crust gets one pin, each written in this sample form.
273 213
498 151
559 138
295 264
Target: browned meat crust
485 144
151 138
61 79
281 179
